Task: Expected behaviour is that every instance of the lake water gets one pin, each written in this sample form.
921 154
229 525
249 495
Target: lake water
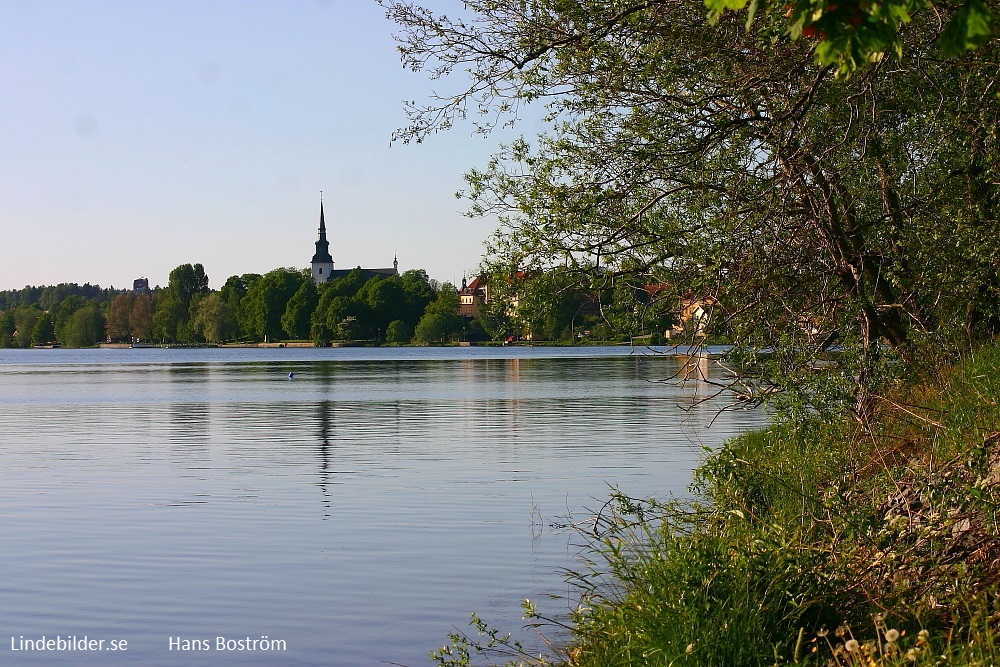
357 512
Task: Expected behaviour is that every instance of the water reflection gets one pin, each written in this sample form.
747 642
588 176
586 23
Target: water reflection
325 422
224 497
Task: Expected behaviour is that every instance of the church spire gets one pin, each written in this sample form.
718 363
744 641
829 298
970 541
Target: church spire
322 245
322 221
322 262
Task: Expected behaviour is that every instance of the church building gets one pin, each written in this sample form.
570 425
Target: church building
322 261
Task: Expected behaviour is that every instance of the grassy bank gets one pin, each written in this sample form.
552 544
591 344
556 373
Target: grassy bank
847 544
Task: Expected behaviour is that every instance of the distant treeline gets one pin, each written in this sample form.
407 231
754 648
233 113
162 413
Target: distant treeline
48 297
283 304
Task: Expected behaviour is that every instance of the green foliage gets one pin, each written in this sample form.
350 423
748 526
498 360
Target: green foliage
489 641
398 332
44 331
7 328
234 294
171 320
850 35
970 28
437 328
385 299
283 303
441 320
267 300
168 316
214 319
187 280
816 214
371 303
419 293
25 318
86 326
49 297
473 331
118 325
140 317
299 310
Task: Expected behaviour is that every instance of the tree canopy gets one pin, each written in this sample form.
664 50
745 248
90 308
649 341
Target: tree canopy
732 164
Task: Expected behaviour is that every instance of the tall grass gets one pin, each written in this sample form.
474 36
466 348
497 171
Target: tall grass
842 543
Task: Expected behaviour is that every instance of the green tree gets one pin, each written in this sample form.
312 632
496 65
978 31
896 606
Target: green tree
236 287
7 328
233 293
386 301
348 318
434 328
398 332
298 313
172 318
733 169
267 299
168 317
441 320
187 280
43 332
62 313
214 319
418 293
347 329
118 325
25 318
85 327
140 318
349 285
372 301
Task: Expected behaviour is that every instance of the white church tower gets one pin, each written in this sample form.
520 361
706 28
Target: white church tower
322 262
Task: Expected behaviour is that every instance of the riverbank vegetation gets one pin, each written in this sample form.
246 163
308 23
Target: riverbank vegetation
813 542
817 542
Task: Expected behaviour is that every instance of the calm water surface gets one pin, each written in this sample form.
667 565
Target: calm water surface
358 512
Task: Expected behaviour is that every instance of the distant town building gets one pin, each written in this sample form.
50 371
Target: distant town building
472 296
322 262
141 285
694 316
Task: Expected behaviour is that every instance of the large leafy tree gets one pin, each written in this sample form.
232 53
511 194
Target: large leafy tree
25 318
169 321
85 327
44 331
725 164
298 312
214 319
233 292
62 314
418 292
441 320
386 301
140 318
117 322
267 299
7 327
172 318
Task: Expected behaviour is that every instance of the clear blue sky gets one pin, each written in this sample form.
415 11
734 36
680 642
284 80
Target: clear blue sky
139 135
